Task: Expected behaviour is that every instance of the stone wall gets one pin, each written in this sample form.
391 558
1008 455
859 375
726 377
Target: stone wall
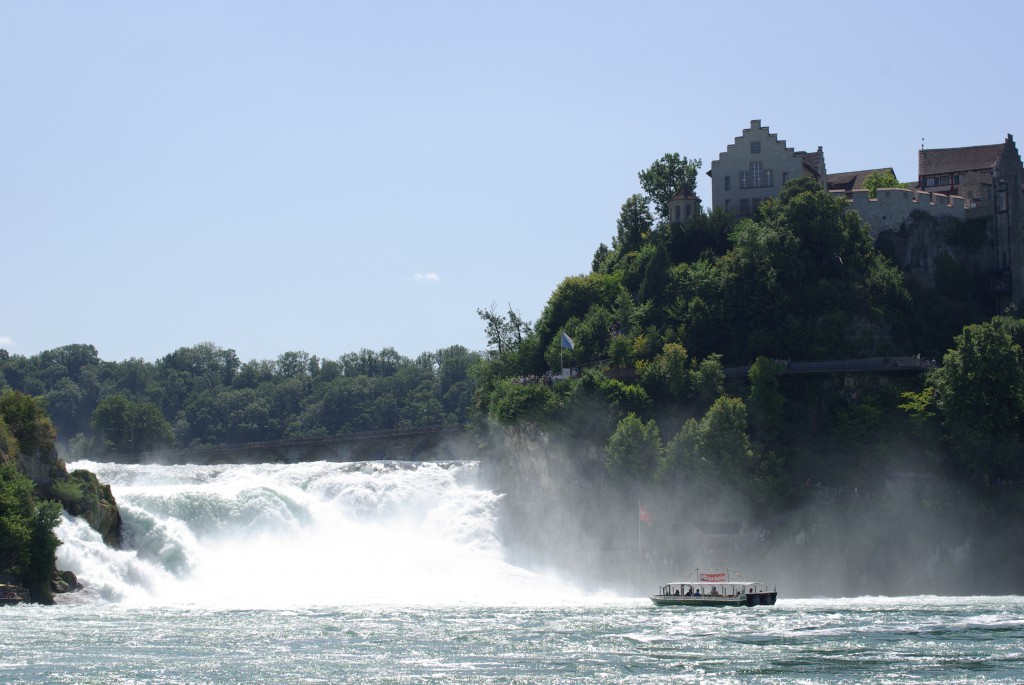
892 207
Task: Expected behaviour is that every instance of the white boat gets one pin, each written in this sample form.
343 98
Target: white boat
715 588
12 594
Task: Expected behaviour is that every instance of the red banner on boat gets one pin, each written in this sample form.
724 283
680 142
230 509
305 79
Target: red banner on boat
712 577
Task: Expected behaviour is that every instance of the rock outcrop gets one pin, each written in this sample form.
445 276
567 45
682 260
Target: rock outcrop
96 505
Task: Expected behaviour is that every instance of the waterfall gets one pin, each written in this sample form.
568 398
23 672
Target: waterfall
319 533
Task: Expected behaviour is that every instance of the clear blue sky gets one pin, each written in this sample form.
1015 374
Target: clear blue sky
329 176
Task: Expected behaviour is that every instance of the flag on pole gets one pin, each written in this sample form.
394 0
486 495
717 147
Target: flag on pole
567 342
645 515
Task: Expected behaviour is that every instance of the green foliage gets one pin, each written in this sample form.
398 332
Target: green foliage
513 402
654 285
979 395
633 226
42 551
27 542
665 177
715 455
27 422
506 335
68 491
880 179
766 401
715 446
206 396
704 236
667 376
16 509
8 443
126 427
634 450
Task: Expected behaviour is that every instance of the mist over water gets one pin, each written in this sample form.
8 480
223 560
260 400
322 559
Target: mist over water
312 534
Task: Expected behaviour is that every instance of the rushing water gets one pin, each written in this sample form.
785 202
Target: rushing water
395 573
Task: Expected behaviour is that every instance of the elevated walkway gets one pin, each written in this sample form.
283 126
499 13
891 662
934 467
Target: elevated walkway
429 443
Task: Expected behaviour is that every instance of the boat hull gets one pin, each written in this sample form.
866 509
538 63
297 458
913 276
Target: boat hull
749 600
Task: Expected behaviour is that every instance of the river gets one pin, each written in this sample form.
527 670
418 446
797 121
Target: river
394 572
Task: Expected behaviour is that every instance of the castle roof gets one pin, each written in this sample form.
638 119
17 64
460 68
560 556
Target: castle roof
684 193
854 180
953 159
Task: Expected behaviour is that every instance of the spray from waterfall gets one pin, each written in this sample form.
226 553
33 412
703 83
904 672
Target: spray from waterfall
271 535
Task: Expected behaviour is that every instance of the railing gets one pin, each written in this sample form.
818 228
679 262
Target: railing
871 364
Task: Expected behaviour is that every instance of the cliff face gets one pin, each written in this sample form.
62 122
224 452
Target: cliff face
80 493
925 245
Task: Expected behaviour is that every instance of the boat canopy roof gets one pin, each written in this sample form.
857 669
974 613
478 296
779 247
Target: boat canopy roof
702 583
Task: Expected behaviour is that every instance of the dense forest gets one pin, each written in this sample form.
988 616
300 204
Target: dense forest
204 395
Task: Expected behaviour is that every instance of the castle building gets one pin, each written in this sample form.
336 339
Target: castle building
993 178
982 182
756 166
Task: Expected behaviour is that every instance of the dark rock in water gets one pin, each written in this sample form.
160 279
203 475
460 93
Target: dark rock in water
65 581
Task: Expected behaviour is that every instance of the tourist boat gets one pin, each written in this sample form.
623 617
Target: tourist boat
12 594
715 589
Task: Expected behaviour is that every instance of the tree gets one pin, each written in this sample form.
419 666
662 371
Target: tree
654 285
634 224
634 450
505 334
127 427
979 395
27 422
27 542
880 179
715 453
663 179
766 401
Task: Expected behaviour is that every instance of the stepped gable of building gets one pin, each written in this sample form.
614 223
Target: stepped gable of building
848 181
756 166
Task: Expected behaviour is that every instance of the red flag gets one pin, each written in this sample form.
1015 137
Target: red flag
645 515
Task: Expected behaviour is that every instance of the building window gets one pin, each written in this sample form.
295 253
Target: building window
728 205
785 177
689 212
757 177
728 182
755 147
755 203
744 206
